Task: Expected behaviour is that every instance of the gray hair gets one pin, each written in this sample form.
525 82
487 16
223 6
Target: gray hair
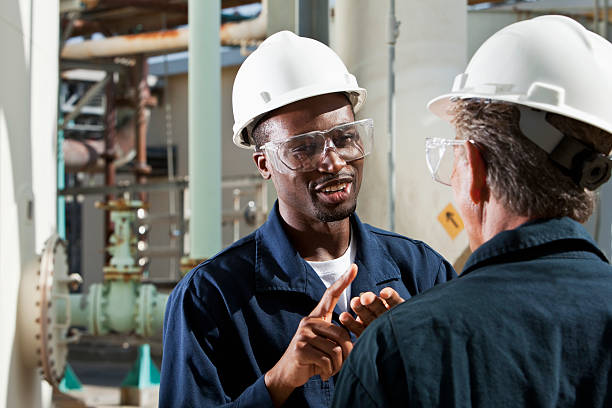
519 173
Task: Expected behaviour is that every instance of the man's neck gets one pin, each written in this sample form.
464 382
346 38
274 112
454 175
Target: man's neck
497 218
318 240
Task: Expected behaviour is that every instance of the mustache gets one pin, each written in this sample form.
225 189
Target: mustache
339 175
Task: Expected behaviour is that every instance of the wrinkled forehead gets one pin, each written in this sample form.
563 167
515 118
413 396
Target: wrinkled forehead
317 113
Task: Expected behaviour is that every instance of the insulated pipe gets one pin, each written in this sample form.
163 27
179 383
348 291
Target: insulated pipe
233 33
204 138
606 20
168 40
596 17
393 27
117 306
88 155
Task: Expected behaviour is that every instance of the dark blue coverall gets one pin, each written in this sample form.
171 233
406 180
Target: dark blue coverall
232 317
527 324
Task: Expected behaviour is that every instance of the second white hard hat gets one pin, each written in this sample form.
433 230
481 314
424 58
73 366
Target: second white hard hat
284 69
551 63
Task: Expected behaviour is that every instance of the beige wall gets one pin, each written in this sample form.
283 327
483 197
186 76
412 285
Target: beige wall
430 51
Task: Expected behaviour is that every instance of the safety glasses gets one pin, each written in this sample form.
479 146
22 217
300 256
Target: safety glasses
440 155
350 141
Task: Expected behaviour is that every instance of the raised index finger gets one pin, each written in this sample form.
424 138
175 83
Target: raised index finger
329 299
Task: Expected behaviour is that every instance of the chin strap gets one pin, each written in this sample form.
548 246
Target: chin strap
587 167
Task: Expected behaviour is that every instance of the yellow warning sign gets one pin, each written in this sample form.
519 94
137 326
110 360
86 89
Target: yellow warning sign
451 221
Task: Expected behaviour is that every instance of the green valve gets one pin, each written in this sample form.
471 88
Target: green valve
70 382
143 373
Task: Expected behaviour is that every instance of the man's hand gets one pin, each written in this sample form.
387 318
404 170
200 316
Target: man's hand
318 346
368 307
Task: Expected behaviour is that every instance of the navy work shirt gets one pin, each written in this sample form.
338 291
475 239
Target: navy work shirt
527 324
232 317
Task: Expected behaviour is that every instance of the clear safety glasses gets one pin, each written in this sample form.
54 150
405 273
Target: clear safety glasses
351 141
440 155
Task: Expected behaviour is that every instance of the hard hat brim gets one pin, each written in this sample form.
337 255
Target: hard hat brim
440 105
356 95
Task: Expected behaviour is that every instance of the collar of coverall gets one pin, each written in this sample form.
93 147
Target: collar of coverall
279 267
532 234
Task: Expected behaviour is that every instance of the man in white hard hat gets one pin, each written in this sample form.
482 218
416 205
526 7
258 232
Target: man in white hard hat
529 321
259 324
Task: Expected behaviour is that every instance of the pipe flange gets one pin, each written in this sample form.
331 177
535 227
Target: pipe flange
45 311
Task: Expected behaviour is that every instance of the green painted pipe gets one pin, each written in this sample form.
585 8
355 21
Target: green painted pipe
204 128
118 307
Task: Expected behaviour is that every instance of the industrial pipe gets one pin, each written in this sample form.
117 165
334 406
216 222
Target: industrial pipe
204 137
392 34
606 18
117 306
88 155
231 33
235 33
144 43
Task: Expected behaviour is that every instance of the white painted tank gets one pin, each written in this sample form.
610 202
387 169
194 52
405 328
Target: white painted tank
28 120
430 51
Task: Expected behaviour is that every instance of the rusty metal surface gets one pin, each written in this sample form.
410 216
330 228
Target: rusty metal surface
120 17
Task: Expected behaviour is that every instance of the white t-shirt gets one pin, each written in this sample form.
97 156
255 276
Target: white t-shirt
330 271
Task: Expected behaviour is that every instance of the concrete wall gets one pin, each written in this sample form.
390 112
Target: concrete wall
431 50
28 80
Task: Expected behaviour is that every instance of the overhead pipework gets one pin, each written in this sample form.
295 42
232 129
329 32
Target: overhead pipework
244 33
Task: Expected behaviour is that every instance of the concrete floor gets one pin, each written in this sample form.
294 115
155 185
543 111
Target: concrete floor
101 364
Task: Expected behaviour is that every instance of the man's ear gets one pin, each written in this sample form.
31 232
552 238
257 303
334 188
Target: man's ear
262 164
479 190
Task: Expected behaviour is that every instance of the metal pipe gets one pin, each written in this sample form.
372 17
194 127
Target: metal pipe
81 155
87 155
141 169
110 117
393 32
596 17
606 20
204 137
166 40
97 190
234 33
119 306
155 42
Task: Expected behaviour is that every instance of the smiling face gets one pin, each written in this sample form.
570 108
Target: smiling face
328 193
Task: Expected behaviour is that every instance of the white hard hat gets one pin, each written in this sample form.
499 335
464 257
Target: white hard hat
284 69
550 63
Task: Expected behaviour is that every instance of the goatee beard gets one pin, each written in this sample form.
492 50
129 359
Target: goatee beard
335 214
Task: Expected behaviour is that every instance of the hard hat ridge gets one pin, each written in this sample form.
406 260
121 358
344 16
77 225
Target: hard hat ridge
284 69
551 63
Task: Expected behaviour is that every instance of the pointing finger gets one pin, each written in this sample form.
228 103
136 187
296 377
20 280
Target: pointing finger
330 298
